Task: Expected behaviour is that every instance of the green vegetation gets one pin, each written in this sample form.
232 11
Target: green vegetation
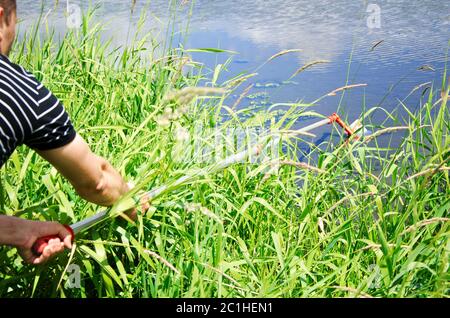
354 220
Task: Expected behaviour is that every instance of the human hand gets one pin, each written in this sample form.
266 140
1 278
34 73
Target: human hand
30 231
145 205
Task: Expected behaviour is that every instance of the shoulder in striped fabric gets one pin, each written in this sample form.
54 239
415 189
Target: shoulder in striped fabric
29 112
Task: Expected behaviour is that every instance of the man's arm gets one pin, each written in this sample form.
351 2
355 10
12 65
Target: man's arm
23 233
93 177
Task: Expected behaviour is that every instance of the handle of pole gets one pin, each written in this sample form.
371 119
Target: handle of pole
42 242
336 119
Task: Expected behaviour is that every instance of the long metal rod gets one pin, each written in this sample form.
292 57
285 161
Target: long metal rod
221 165
225 163
87 223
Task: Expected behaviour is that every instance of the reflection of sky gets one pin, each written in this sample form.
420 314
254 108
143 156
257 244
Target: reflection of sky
325 29
321 28
413 33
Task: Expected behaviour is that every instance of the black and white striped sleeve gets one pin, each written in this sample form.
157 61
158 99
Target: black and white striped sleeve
53 128
29 113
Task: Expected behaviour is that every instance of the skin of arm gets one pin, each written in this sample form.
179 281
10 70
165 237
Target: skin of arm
93 178
22 234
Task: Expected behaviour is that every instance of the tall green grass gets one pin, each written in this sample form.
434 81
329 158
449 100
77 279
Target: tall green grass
368 222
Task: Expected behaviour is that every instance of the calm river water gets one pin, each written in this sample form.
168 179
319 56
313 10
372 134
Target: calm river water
390 45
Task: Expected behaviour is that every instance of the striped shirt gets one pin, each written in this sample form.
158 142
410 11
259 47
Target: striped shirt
29 113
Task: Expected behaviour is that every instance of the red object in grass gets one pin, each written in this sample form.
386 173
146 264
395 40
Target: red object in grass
336 119
42 242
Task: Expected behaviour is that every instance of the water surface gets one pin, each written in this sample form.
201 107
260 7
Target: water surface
408 47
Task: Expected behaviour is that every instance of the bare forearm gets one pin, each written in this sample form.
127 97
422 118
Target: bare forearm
22 234
109 187
10 230
93 177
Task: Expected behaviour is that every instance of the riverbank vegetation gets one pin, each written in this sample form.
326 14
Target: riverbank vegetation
350 219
